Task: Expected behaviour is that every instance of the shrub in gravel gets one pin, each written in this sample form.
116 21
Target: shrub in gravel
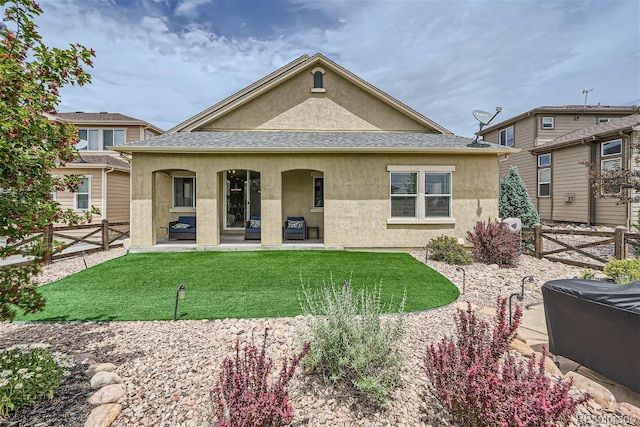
514 200
447 249
493 243
28 372
481 383
623 271
352 345
243 395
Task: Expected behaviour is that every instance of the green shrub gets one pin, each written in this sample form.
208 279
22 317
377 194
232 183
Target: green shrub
623 271
28 373
351 344
514 200
447 249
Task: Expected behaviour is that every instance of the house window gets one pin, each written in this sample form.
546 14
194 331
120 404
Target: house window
437 193
506 137
421 193
544 160
610 165
544 182
317 80
548 122
605 119
99 140
318 192
184 192
612 147
404 194
82 197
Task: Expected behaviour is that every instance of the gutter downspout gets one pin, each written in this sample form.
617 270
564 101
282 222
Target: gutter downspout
104 191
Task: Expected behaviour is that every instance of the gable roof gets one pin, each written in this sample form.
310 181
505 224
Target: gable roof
251 141
254 90
614 128
103 119
564 109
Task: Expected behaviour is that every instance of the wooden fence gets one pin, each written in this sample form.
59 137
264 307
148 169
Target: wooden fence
78 239
617 242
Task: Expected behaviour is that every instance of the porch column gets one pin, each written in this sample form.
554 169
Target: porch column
207 208
271 207
141 222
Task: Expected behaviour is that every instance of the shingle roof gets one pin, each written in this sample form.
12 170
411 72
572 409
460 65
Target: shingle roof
96 117
305 141
102 159
621 124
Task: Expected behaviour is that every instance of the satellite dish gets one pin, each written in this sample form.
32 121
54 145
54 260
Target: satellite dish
82 144
482 116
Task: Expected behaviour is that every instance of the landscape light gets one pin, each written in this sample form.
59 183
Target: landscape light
179 295
464 277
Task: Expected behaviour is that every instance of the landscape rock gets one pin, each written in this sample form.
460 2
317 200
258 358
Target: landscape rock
522 348
103 415
85 359
108 394
549 365
597 392
102 379
629 410
100 367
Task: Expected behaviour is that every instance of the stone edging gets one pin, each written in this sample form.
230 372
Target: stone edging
111 390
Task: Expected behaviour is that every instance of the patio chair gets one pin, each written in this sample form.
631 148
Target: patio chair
294 228
252 228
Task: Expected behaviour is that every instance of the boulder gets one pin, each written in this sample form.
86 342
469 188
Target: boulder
628 410
549 365
108 394
521 347
103 415
102 379
100 367
597 392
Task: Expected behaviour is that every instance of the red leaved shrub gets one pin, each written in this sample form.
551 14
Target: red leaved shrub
493 243
481 383
243 396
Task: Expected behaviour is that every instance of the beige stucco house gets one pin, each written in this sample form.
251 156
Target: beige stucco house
106 173
557 180
608 145
312 140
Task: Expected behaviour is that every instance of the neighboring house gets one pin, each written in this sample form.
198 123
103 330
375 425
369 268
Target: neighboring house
106 173
561 165
312 140
558 183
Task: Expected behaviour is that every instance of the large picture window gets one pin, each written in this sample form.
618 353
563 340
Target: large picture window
422 194
82 197
184 192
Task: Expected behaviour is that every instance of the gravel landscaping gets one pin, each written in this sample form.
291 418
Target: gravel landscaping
170 367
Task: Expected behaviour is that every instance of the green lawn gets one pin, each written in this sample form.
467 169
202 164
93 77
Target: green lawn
233 284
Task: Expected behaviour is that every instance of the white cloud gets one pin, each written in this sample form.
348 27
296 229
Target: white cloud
442 59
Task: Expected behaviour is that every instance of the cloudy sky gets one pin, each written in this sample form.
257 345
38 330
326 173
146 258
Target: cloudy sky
165 60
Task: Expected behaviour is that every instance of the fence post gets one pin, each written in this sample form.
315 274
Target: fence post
105 234
537 236
48 241
620 251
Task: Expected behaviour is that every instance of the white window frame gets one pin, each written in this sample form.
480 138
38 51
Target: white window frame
504 136
100 141
606 119
421 195
173 193
548 122
88 193
404 195
317 207
602 149
542 182
428 195
540 157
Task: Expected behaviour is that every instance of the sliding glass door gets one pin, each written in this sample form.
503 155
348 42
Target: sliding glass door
242 199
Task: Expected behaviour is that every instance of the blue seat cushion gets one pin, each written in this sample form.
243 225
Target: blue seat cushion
191 220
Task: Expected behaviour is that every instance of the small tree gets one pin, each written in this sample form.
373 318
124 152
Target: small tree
31 144
515 201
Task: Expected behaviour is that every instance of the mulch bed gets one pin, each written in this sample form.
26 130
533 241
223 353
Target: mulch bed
68 408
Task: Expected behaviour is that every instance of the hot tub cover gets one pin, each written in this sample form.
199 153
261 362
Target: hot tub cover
625 297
